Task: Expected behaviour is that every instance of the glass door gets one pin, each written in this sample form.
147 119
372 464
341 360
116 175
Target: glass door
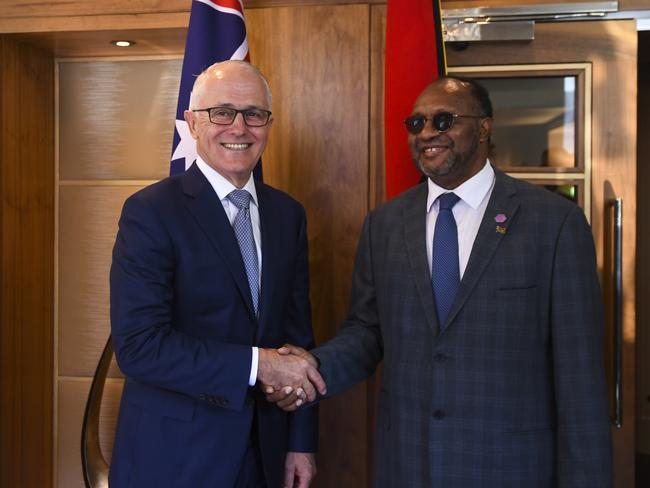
551 94
542 125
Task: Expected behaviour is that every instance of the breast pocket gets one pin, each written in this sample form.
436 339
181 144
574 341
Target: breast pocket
515 307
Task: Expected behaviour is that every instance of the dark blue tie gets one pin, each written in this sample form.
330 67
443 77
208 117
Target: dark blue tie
244 232
445 271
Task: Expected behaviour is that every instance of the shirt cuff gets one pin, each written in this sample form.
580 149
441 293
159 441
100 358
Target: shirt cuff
254 359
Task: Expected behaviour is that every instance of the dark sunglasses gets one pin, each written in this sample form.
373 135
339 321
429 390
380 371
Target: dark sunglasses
442 121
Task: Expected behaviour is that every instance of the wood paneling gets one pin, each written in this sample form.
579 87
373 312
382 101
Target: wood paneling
78 15
79 28
72 395
611 47
92 44
449 4
26 265
68 8
73 15
100 137
376 164
316 59
88 217
633 4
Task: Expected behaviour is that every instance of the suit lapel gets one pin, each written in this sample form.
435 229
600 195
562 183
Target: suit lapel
502 201
204 205
270 251
414 212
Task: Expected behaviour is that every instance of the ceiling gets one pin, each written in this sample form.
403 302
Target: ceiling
149 42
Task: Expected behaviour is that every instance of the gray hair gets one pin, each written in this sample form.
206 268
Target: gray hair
197 89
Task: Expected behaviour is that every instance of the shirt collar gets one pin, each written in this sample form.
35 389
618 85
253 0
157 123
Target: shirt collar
221 185
472 191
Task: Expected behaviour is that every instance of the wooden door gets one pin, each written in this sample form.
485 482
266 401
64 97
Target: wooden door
607 168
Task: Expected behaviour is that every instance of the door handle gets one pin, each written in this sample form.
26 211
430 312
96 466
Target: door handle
617 286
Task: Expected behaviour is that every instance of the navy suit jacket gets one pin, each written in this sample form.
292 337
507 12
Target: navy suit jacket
183 325
511 391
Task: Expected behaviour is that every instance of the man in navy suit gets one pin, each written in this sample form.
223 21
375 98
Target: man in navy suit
480 294
209 275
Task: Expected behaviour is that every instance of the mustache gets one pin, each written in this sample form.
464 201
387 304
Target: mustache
439 139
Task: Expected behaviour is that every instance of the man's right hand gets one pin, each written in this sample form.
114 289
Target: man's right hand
287 397
287 374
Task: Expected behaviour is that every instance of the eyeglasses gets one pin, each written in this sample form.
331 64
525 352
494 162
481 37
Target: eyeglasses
442 121
253 117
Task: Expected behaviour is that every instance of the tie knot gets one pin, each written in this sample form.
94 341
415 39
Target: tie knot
240 198
448 200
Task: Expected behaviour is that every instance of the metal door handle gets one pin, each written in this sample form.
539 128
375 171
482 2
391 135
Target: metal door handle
618 310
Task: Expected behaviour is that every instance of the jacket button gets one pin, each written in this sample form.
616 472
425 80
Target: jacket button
439 414
439 358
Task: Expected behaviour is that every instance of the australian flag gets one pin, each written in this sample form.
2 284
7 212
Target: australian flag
217 32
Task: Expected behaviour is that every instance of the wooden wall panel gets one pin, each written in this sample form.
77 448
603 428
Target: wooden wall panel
26 265
72 394
376 163
95 44
633 4
77 15
316 59
99 135
88 217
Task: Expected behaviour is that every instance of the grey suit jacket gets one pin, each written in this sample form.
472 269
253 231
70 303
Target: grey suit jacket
511 393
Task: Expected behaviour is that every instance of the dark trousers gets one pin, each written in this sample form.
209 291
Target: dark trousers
251 473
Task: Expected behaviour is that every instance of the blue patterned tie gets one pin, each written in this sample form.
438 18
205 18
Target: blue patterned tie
445 272
244 233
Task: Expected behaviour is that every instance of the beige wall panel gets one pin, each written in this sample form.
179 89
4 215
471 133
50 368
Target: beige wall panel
88 224
72 395
116 118
316 59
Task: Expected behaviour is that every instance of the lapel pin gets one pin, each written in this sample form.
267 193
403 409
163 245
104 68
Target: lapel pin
500 218
501 230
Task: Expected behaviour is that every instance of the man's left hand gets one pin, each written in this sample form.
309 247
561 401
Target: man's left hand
299 469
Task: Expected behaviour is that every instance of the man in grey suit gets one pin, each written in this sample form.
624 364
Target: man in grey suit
486 310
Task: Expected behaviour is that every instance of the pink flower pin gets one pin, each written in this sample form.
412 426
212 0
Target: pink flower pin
500 218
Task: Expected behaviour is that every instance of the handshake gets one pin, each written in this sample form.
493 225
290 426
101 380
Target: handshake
289 376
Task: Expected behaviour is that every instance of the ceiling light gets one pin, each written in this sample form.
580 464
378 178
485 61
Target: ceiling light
123 43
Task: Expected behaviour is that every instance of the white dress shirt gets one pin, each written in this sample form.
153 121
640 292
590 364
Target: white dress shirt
223 187
468 212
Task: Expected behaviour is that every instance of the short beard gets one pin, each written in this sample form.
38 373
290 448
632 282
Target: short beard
447 167
453 163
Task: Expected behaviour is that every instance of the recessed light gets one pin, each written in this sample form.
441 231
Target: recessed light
123 43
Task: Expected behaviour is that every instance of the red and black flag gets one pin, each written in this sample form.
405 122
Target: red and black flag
415 56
